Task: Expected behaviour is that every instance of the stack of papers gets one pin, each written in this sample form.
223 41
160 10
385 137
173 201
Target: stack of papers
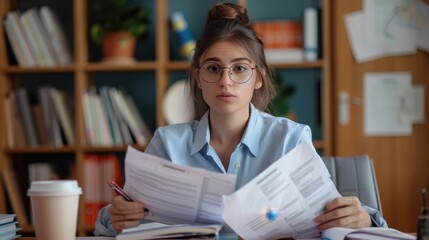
163 231
8 227
340 233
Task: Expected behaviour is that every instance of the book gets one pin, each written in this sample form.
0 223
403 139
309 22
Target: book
112 120
163 231
93 117
97 118
8 230
98 170
186 39
282 40
131 119
125 132
56 35
13 40
103 122
9 122
64 114
90 187
38 39
12 190
51 124
19 43
6 218
16 129
7 227
26 116
87 116
311 33
36 110
373 233
136 115
274 55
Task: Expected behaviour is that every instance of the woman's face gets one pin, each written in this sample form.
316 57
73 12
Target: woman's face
226 96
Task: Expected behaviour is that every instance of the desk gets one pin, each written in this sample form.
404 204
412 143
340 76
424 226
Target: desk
222 237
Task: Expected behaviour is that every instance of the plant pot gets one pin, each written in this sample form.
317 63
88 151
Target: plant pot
119 47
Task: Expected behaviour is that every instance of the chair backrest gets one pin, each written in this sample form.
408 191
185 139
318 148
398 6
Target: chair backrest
355 176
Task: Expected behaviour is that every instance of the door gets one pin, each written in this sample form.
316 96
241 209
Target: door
401 162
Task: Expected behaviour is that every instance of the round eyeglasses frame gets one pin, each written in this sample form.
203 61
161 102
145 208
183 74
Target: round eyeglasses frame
229 72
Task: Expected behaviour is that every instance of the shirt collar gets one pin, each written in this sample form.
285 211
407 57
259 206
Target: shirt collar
202 134
251 136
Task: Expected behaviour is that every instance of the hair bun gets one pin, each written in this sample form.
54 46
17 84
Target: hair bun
228 11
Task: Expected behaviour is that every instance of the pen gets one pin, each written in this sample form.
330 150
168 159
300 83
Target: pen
121 192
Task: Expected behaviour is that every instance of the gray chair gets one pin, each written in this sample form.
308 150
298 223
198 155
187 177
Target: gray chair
355 176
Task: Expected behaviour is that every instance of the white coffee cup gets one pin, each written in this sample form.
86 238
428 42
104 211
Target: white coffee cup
54 206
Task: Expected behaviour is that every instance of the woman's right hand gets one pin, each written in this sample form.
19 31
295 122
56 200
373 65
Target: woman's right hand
125 214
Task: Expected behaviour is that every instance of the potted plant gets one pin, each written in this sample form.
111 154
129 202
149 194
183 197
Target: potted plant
117 26
280 104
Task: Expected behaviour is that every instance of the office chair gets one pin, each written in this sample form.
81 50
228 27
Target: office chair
355 176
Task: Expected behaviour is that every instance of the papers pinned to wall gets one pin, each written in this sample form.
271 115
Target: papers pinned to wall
388 28
392 104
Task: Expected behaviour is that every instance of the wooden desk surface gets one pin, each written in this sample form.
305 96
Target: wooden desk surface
106 238
77 238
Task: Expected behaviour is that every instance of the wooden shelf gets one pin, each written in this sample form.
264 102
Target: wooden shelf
105 67
94 149
40 149
178 65
315 64
31 70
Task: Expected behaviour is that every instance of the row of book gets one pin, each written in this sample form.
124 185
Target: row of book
47 122
37 38
8 226
98 171
112 118
290 40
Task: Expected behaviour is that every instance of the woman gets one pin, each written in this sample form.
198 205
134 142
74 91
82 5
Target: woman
231 86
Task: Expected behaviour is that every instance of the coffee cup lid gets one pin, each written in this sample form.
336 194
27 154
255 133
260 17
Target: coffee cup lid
54 188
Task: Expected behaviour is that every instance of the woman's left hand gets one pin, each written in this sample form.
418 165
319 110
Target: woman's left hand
343 212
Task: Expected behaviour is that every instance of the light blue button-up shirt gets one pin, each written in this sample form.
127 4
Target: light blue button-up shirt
265 140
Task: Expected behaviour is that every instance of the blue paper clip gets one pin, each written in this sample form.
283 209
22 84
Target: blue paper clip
272 214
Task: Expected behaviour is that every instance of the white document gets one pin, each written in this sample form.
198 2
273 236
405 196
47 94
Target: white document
175 194
380 16
412 104
297 187
408 22
423 30
369 49
382 93
373 233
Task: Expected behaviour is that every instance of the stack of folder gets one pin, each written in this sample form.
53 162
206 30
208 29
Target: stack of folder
8 228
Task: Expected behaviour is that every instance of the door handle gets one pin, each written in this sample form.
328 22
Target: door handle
344 101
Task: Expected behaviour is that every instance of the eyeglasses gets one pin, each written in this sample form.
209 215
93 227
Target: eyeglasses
238 72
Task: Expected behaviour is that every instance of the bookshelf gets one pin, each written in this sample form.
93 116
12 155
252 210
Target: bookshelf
151 74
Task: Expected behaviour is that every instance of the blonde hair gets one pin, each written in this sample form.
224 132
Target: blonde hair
230 22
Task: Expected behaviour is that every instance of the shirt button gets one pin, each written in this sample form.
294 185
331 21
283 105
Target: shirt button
237 165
